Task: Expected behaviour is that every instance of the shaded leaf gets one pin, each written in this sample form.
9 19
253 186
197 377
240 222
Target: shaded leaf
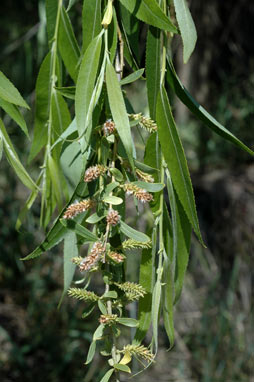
121 367
102 307
68 92
98 332
174 156
15 114
153 68
80 230
151 187
95 218
199 111
68 45
91 352
14 161
9 93
131 322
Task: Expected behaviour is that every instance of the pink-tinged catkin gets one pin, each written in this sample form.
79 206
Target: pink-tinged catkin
143 196
116 257
108 127
113 217
108 319
138 192
94 172
92 259
77 208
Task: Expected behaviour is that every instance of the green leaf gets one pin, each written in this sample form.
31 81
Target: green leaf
15 114
61 118
42 91
131 322
121 367
110 187
1 147
68 45
116 173
14 161
156 299
85 86
87 311
144 167
110 294
174 156
91 21
51 12
150 187
150 12
98 332
68 92
71 3
56 181
132 233
9 93
95 218
187 28
102 307
70 251
199 111
132 77
181 238
118 110
146 279
91 352
108 374
153 68
58 231
110 199
80 230
28 204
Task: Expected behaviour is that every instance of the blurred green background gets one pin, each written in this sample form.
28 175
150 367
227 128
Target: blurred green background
215 317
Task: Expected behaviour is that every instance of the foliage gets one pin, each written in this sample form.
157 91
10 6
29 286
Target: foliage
90 164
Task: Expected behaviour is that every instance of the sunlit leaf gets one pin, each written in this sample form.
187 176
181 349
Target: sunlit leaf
91 21
132 233
187 28
108 374
80 230
132 77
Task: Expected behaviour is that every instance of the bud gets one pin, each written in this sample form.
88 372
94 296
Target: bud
116 257
108 319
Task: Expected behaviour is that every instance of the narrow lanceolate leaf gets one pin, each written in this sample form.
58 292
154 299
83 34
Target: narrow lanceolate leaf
80 230
68 45
169 239
199 111
15 114
156 299
14 161
71 3
68 91
131 322
86 83
108 374
174 155
123 368
42 90
187 28
153 57
55 180
9 93
132 77
147 280
91 21
149 12
70 251
51 12
132 233
58 231
91 352
61 118
119 112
